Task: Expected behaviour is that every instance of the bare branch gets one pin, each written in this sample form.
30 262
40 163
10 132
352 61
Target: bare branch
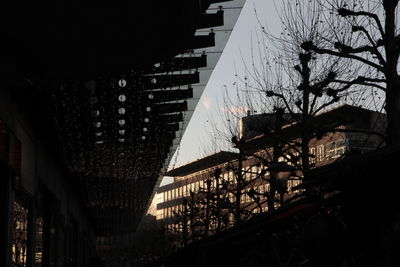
309 46
346 12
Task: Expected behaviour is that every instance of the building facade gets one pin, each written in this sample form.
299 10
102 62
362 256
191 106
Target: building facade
43 221
344 131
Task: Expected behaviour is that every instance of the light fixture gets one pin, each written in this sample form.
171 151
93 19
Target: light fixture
121 111
122 83
121 98
95 113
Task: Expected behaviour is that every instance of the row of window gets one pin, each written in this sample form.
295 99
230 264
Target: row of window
261 189
321 152
184 190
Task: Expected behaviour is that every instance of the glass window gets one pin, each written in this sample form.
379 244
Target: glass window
39 241
335 149
312 155
320 153
19 234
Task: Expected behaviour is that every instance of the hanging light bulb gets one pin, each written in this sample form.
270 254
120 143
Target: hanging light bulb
95 113
121 98
121 111
97 124
122 83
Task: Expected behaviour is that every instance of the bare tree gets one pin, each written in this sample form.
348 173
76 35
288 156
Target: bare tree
365 32
293 84
188 224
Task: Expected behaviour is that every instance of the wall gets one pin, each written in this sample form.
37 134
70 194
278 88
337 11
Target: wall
48 191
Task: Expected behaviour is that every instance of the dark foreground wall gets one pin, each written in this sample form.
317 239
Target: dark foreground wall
42 220
355 222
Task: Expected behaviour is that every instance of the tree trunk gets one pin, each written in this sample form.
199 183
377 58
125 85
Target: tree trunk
239 189
392 77
305 120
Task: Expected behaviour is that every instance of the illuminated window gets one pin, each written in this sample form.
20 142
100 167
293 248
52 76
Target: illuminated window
320 153
39 241
312 155
19 234
335 149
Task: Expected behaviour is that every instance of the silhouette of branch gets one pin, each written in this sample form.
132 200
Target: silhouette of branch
344 12
311 47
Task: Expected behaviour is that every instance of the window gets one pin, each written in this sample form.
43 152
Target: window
39 241
160 214
335 149
261 189
296 156
312 155
192 187
320 153
266 187
230 176
19 234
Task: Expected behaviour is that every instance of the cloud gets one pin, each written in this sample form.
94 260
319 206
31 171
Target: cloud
235 110
206 102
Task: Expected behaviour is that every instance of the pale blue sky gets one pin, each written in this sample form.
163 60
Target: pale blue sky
238 45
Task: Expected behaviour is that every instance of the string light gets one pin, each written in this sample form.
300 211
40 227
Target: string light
116 134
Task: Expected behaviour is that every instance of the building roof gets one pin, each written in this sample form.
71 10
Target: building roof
203 163
329 119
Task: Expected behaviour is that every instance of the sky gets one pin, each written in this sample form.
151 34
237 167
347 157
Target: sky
197 134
